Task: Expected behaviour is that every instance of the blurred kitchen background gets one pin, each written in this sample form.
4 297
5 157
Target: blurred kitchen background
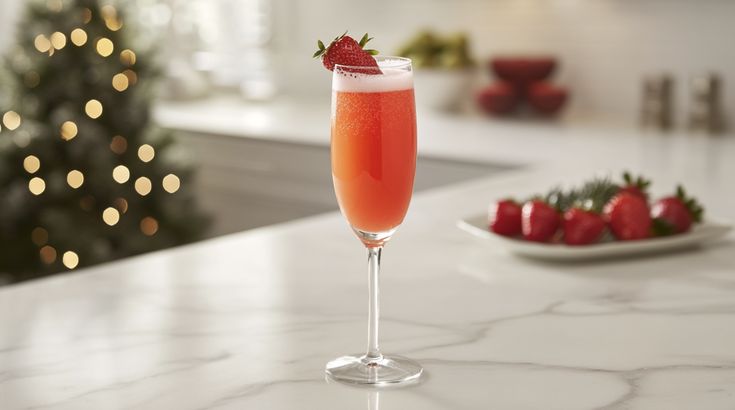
243 97
604 46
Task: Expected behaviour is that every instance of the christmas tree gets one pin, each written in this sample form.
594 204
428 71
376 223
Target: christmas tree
84 177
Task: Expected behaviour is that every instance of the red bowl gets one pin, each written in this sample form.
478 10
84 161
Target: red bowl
547 99
499 98
523 70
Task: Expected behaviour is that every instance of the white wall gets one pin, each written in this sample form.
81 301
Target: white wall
605 46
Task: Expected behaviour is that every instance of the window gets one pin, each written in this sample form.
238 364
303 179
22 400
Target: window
227 40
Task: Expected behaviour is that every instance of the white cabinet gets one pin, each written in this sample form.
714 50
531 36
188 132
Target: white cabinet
246 183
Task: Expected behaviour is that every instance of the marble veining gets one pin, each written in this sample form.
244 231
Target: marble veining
250 319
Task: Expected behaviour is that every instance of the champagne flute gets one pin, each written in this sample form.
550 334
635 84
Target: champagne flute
373 165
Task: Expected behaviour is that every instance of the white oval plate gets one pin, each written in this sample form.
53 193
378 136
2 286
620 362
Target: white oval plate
700 234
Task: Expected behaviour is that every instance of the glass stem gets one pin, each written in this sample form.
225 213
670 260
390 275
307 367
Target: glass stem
373 354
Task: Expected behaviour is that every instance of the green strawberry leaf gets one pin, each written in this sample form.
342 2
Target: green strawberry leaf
659 227
364 40
695 209
627 178
680 192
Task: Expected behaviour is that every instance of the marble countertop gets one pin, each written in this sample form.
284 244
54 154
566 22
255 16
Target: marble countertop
249 320
465 137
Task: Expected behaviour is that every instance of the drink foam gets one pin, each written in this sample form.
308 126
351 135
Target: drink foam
392 79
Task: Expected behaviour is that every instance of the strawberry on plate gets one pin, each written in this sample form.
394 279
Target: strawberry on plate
582 226
345 51
505 217
676 214
628 216
539 221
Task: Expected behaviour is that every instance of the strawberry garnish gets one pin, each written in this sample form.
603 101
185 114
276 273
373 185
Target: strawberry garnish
344 50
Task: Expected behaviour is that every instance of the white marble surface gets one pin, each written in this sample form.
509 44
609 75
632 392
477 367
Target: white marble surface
468 137
249 320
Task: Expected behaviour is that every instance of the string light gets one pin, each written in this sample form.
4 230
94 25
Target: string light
36 185
149 226
127 57
86 15
68 130
119 144
58 40
11 119
78 37
108 11
93 108
109 14
171 183
111 216
121 204
143 186
105 47
114 24
31 79
121 174
70 259
55 5
48 254
120 82
39 236
75 178
146 153
132 77
42 43
31 164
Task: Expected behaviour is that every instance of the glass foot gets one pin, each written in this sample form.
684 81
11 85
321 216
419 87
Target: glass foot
393 370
